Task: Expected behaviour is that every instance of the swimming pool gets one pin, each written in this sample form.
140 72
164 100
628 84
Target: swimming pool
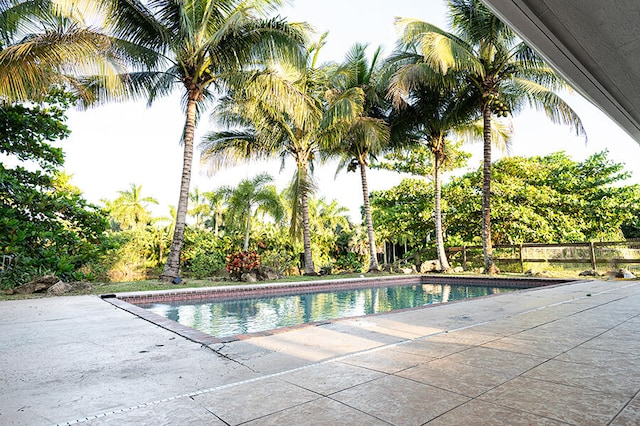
223 318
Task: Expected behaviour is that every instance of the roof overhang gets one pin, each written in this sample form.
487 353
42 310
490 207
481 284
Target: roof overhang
593 44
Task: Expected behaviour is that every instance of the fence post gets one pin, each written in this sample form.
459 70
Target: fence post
521 260
464 257
592 253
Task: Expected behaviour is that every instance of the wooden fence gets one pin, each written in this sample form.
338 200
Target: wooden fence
586 255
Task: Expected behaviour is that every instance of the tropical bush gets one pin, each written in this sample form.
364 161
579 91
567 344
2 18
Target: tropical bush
203 253
46 226
242 263
348 262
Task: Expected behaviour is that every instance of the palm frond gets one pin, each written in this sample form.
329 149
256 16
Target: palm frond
228 148
554 107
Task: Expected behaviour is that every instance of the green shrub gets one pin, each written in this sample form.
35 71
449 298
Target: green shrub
348 262
206 264
203 253
280 262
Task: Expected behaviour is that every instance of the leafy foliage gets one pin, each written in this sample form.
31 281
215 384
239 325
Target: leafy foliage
348 263
550 199
44 222
404 212
203 253
242 262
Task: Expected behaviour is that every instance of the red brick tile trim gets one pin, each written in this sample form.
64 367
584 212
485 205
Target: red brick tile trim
263 290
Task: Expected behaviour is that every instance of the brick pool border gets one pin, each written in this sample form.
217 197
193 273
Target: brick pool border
260 290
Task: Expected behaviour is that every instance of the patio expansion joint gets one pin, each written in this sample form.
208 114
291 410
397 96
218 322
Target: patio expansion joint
623 408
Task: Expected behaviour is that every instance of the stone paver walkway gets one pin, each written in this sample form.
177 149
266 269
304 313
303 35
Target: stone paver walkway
563 355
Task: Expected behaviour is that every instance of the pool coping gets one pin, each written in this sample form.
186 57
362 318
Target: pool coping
129 301
276 288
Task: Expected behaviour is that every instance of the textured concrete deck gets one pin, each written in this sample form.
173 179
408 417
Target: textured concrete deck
563 355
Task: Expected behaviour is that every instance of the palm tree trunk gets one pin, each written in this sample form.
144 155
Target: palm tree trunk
246 234
373 252
172 267
309 268
442 255
487 246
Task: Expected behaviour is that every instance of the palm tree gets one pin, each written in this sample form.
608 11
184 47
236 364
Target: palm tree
505 74
44 44
250 197
129 210
280 114
368 134
216 206
207 47
199 207
428 107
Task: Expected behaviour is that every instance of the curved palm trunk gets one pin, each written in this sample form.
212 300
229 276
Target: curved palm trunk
172 267
373 252
489 266
437 182
309 268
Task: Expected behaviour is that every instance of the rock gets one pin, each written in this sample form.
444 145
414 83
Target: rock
589 273
430 266
249 277
265 274
541 274
458 269
60 288
622 273
39 285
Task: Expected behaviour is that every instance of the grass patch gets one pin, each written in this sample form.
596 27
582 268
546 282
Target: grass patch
154 285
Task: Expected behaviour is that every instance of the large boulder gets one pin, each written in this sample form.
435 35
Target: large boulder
266 274
249 277
623 273
39 285
60 288
430 266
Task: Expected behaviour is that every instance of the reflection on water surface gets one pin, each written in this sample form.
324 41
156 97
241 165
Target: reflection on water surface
231 317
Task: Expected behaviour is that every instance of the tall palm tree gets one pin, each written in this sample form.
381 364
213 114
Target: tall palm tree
368 133
428 116
129 210
282 113
45 43
206 46
250 197
506 75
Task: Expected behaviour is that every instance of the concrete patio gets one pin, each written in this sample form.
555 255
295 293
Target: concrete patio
569 354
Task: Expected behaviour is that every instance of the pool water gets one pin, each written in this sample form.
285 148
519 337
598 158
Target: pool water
223 318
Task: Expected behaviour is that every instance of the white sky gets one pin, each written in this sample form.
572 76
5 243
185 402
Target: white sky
118 144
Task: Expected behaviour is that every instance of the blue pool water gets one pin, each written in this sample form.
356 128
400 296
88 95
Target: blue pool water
230 317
